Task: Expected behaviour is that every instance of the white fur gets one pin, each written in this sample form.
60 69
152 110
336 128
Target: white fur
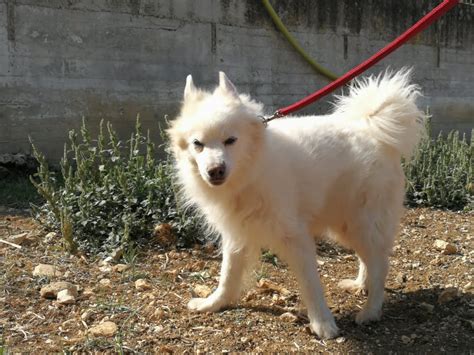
299 178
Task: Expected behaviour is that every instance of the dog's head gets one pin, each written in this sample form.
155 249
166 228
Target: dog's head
217 134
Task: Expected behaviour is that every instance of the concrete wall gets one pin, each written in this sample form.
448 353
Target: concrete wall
64 59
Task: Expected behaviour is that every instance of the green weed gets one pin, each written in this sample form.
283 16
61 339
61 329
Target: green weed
441 172
269 257
108 193
3 346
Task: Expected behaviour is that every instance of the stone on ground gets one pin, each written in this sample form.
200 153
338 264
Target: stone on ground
66 297
52 290
105 329
46 270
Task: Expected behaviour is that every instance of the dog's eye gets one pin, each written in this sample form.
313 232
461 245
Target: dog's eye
198 145
230 141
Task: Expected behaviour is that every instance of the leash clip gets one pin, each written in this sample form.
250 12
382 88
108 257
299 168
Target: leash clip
266 119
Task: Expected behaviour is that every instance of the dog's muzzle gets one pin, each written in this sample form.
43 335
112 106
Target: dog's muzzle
216 174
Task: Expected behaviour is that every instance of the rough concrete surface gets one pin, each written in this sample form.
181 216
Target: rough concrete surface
61 60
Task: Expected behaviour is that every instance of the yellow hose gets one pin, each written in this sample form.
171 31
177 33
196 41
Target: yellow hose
281 27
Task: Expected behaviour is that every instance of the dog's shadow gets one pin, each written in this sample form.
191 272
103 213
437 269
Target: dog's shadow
412 322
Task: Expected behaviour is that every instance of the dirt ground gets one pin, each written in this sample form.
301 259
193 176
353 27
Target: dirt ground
429 298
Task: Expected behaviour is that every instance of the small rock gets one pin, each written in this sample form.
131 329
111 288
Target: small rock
289 317
142 285
445 247
46 270
105 329
66 297
157 329
401 278
120 267
468 286
406 339
117 254
112 258
106 261
88 292
51 290
105 269
269 285
427 307
202 291
159 314
18 238
105 282
148 295
448 295
436 261
340 340
86 316
50 237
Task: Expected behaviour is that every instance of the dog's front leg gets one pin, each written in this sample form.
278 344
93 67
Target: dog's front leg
300 253
234 264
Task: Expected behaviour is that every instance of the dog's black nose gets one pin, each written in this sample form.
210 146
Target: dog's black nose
217 173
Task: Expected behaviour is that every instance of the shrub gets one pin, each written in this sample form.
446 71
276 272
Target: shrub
109 194
441 172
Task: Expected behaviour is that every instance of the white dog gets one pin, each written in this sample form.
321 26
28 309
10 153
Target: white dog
281 185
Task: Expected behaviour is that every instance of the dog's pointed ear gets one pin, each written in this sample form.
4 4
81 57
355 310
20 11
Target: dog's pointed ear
226 85
189 89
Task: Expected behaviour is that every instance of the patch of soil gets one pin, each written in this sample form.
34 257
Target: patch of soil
154 318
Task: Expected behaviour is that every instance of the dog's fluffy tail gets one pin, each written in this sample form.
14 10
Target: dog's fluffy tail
385 106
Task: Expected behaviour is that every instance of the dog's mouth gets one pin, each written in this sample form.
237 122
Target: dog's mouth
216 182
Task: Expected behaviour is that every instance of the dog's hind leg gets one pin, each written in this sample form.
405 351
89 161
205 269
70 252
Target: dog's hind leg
359 285
371 236
300 254
236 261
377 269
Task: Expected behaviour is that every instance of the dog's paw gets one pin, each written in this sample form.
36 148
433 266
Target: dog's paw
368 315
353 285
326 329
204 305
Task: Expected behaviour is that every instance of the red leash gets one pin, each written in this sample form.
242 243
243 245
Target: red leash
427 20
